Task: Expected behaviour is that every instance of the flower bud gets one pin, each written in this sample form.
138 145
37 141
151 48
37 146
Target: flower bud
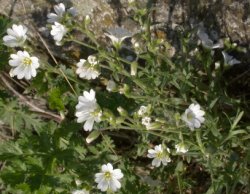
111 86
125 89
87 20
122 111
133 70
154 125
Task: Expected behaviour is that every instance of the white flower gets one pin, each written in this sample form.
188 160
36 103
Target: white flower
16 36
146 121
206 41
58 31
142 110
83 191
108 179
60 11
193 116
55 17
111 85
87 110
229 60
118 35
72 11
159 155
88 69
23 65
136 45
181 148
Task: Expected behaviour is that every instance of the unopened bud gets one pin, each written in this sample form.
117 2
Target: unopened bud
111 85
122 111
133 70
87 20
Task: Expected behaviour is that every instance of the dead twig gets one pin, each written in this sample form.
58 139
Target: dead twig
26 101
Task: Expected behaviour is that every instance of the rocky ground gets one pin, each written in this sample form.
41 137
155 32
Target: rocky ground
229 18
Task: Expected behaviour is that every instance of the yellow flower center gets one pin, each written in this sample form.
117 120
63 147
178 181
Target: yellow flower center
159 155
27 61
107 175
96 113
190 116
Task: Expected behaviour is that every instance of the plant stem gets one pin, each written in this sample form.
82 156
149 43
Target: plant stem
81 43
179 182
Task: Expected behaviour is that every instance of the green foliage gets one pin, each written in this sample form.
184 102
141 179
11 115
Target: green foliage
18 117
55 99
4 54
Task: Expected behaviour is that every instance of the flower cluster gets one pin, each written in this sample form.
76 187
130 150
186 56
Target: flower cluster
58 30
23 65
60 12
88 110
16 36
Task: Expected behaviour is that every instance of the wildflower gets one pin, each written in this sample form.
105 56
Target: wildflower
72 11
146 121
133 69
83 191
142 111
88 69
136 45
60 12
58 31
193 116
87 110
229 60
206 41
181 148
118 35
122 111
111 86
159 155
24 66
16 36
108 179
87 19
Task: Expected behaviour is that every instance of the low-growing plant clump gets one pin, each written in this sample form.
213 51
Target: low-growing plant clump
131 114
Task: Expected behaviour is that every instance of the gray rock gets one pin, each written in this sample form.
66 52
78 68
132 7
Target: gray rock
225 18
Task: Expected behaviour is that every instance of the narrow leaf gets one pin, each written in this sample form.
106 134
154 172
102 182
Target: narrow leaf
93 136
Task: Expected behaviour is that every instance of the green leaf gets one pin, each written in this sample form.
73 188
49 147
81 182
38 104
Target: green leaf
55 99
234 133
237 119
212 104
